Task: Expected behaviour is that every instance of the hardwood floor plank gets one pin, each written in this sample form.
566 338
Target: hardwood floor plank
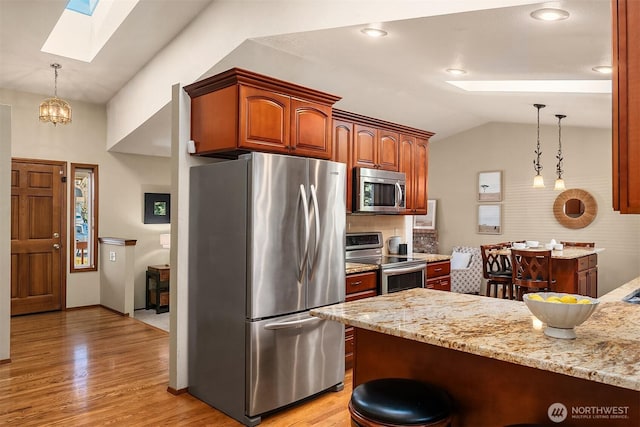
93 367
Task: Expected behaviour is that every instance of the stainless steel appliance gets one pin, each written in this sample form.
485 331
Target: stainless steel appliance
266 244
379 191
397 273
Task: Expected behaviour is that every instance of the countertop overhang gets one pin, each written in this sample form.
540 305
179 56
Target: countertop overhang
607 348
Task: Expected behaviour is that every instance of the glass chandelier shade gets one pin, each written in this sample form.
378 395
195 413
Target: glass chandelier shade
538 180
54 109
559 186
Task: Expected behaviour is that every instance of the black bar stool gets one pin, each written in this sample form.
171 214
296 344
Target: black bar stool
399 402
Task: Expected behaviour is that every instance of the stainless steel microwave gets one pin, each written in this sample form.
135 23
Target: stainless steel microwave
379 191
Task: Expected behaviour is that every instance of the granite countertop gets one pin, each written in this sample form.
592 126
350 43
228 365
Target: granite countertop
431 257
567 253
356 267
607 348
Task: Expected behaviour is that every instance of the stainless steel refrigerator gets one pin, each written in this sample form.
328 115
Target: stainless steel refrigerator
266 244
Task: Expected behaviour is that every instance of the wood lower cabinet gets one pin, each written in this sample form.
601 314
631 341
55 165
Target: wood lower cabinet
439 275
358 286
239 111
577 276
626 106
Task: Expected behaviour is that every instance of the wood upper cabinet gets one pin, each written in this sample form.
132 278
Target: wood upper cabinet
342 142
375 148
361 141
239 111
311 129
626 106
414 162
265 120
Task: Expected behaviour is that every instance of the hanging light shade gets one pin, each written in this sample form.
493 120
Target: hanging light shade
55 110
538 180
559 181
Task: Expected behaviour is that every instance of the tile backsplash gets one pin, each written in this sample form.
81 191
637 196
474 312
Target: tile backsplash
389 225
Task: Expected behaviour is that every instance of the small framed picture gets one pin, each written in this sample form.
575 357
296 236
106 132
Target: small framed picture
428 221
490 186
157 208
490 219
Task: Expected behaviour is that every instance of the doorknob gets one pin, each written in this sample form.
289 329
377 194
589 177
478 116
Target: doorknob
56 235
56 246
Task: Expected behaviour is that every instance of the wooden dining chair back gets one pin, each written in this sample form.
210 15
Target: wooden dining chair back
494 269
588 245
532 270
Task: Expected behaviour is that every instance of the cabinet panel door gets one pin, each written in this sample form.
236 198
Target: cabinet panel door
388 150
407 150
364 147
420 176
311 129
264 120
626 106
342 142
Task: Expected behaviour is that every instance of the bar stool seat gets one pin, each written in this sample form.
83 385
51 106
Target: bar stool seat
399 402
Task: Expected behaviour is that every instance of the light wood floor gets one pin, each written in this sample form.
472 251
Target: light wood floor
92 367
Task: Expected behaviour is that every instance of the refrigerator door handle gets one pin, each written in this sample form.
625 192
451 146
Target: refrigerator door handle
399 195
305 206
316 210
292 324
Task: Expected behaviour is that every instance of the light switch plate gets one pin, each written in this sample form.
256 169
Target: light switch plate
112 256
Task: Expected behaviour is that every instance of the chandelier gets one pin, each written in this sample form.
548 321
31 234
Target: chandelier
55 110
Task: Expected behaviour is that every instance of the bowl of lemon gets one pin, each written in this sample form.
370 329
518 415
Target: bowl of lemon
561 312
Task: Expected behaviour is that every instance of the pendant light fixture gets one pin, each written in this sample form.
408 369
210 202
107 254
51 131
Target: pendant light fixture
55 110
559 181
538 180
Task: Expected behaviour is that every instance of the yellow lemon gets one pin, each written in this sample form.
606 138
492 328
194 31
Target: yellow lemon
536 297
568 299
584 301
553 299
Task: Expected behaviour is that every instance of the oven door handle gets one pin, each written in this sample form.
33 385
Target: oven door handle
399 270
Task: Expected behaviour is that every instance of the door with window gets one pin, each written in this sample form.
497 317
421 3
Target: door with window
38 220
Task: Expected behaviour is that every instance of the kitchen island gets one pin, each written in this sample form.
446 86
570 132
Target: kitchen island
498 367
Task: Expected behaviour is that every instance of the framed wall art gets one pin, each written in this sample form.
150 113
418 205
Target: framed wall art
428 221
490 219
157 208
490 186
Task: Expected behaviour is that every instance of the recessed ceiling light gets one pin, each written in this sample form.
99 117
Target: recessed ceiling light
374 32
604 69
456 71
556 86
550 14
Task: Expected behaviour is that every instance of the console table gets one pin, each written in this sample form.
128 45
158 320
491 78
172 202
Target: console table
157 288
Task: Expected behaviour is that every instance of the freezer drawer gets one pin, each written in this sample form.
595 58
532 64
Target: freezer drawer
292 357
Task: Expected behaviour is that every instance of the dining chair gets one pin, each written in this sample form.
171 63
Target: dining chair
495 270
579 244
531 270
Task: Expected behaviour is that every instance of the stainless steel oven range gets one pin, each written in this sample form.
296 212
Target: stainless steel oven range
397 273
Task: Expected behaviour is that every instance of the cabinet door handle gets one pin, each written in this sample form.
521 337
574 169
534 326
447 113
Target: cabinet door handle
359 282
437 269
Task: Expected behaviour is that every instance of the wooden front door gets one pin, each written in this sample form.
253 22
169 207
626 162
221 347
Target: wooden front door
38 200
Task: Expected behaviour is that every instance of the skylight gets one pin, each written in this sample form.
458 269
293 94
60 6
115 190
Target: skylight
86 7
557 86
79 35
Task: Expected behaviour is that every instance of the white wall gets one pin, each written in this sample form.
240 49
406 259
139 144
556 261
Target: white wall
527 212
123 179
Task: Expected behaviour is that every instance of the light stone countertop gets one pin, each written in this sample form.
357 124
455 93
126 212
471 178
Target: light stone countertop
431 257
567 253
607 348
356 267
